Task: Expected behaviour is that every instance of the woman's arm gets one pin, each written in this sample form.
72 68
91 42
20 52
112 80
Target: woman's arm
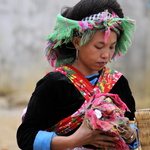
83 136
48 101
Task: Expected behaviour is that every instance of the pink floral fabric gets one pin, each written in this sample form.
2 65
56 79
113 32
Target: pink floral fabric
105 112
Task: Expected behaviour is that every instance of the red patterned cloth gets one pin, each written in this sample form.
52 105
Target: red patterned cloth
105 112
106 81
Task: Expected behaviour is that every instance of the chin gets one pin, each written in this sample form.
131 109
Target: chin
99 68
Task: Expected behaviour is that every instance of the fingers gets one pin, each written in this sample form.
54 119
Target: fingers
124 127
127 119
95 137
127 132
127 122
103 144
105 141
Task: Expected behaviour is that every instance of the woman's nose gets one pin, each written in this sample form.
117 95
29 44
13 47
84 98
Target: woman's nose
105 54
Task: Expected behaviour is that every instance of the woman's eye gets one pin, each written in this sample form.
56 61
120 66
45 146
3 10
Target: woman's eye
98 47
112 47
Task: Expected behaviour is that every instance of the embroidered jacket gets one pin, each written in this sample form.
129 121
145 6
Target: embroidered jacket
55 94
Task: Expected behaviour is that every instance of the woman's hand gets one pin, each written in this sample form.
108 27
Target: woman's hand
86 136
83 136
128 133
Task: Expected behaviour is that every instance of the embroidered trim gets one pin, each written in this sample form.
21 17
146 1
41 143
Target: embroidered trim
107 80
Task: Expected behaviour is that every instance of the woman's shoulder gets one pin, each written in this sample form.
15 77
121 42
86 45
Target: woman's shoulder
122 83
53 79
54 75
52 82
123 80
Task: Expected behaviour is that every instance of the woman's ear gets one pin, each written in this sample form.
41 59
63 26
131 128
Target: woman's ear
76 42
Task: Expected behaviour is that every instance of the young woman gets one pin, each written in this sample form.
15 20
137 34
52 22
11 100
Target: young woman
86 37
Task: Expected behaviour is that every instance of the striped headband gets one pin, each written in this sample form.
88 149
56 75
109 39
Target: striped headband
96 16
65 29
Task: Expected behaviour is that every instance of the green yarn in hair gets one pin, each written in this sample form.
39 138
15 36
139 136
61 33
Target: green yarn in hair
63 30
124 41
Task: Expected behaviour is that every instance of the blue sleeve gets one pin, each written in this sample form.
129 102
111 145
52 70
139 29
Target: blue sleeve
136 143
43 140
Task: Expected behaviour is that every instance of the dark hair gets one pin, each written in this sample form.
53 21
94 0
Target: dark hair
86 8
81 10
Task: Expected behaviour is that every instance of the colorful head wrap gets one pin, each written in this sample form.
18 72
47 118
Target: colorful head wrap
65 29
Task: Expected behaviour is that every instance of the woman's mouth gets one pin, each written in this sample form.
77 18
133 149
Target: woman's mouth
102 63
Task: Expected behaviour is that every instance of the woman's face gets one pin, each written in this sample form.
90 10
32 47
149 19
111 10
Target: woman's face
94 55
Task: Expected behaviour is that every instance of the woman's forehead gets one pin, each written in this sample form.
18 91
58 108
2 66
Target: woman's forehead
99 37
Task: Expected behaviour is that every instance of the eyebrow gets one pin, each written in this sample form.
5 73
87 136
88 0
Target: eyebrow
100 42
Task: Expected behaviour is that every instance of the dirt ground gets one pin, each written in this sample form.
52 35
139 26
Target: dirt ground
9 122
